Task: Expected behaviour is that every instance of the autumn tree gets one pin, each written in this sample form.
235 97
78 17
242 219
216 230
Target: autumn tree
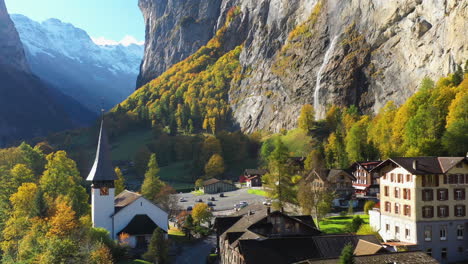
21 174
61 178
101 255
357 146
380 133
201 213
64 221
199 183
157 248
152 185
313 200
306 119
120 182
214 167
314 160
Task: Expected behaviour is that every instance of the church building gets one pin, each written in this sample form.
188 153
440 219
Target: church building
128 212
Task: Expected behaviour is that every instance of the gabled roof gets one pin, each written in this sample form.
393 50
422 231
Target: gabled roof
140 225
213 181
294 249
366 165
424 165
364 247
125 198
102 169
326 174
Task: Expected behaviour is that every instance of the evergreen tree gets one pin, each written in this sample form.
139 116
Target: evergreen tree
347 255
152 185
120 182
157 249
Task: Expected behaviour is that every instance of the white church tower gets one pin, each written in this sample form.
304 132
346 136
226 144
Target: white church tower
102 176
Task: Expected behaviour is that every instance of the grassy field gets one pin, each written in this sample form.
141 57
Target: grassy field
337 224
257 192
176 172
125 147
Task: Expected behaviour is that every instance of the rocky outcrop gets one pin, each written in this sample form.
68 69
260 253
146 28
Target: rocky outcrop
11 50
383 50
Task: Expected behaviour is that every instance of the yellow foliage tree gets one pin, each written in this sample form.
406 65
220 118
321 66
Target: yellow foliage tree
201 213
215 166
306 119
21 200
64 221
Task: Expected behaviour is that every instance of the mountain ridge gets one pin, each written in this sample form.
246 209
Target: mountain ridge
63 54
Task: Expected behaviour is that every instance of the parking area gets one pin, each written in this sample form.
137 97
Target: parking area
221 203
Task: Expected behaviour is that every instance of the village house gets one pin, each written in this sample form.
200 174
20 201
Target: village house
366 183
414 257
128 212
339 181
423 205
213 186
253 177
257 235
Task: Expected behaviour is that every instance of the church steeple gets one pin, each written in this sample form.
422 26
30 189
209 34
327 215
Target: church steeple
102 170
102 176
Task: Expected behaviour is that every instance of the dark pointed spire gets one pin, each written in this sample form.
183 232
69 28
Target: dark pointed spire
102 169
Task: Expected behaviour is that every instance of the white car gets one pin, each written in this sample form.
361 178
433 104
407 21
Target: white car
182 199
267 202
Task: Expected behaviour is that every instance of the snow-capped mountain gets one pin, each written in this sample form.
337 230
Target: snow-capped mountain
66 56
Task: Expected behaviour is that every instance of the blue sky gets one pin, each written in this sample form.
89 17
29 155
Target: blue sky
111 19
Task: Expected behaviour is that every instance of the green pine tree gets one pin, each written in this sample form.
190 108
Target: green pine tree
151 184
120 182
347 255
157 249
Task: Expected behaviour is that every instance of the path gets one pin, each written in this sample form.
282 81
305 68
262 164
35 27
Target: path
196 253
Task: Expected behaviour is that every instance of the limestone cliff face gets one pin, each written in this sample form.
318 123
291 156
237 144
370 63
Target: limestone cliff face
11 49
344 52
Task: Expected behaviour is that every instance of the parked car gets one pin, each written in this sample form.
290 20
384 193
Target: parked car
182 199
221 195
210 204
267 202
189 208
212 198
200 200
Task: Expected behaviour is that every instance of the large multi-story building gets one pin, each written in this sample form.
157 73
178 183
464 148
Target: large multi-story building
423 205
365 183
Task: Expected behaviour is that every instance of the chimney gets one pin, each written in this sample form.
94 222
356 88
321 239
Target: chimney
415 164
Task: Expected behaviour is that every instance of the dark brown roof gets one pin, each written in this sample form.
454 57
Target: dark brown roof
424 165
139 225
125 198
222 224
102 169
415 257
210 181
326 174
255 172
294 249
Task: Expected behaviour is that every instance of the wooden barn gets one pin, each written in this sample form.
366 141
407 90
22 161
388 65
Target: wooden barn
217 186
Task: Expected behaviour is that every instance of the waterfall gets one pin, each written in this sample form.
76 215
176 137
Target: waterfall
328 54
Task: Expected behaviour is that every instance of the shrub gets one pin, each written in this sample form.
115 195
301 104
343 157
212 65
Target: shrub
355 224
368 206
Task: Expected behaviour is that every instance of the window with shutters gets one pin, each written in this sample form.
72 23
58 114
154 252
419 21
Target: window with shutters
442 194
397 230
460 210
397 208
460 232
400 178
428 211
397 192
409 178
443 211
443 232
407 233
427 195
392 177
407 194
407 210
429 252
387 227
428 233
443 253
459 194
386 190
388 207
461 179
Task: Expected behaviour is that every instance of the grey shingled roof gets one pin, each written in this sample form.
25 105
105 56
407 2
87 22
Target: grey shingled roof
125 198
102 169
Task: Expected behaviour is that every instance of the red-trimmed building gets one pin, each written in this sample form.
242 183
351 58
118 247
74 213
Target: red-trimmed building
366 183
